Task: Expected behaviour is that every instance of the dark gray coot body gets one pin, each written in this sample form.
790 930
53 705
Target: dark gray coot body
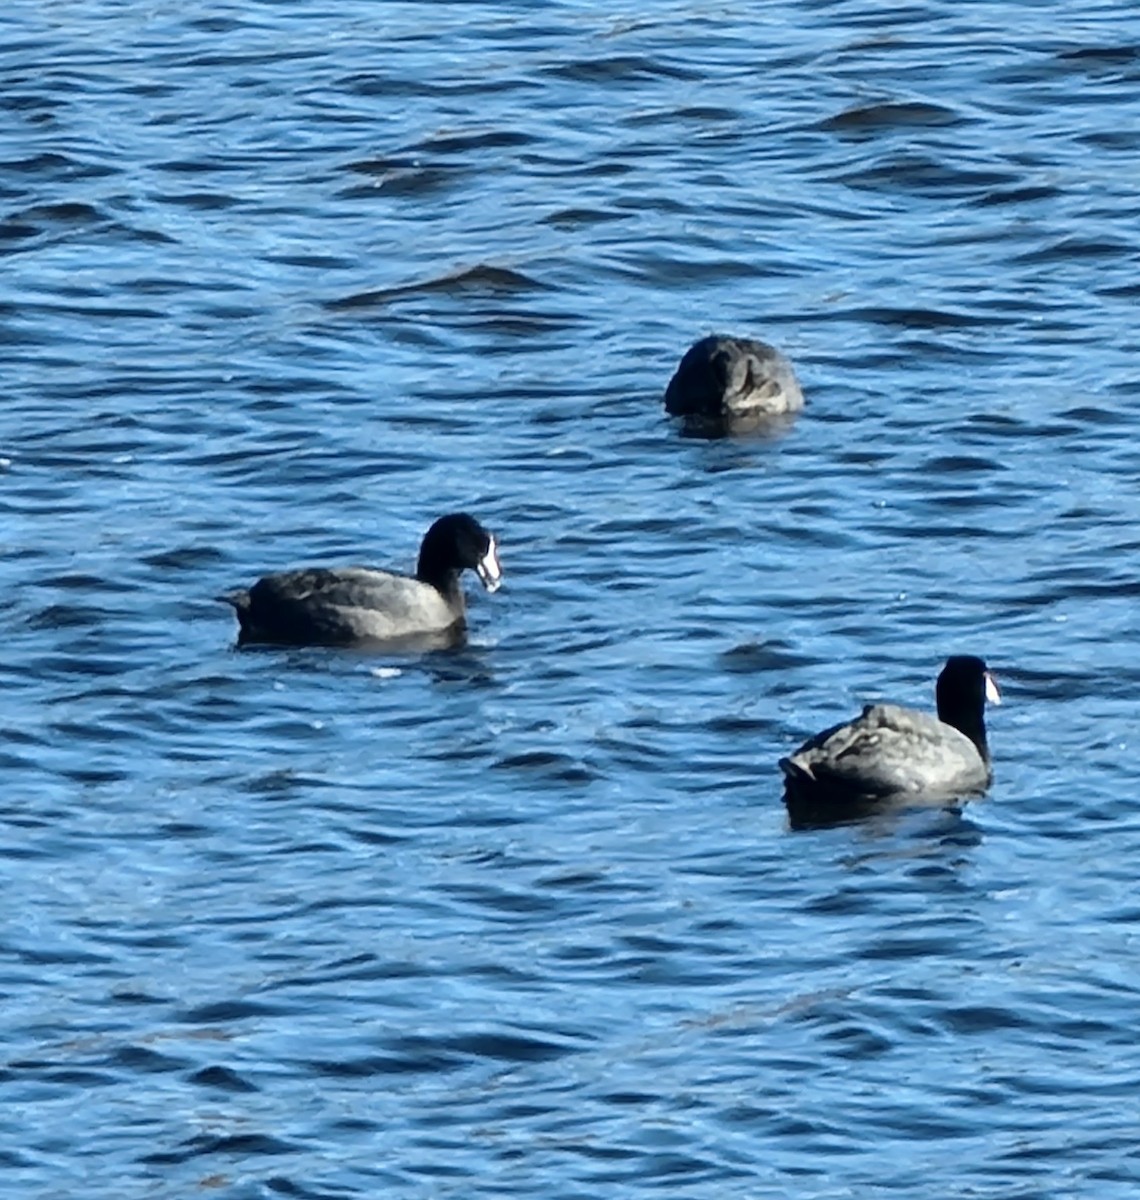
344 606
729 377
894 754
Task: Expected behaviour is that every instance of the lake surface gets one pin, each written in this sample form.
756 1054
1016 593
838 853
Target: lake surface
283 282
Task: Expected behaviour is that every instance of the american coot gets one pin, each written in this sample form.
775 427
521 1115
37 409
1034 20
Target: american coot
344 606
896 754
733 379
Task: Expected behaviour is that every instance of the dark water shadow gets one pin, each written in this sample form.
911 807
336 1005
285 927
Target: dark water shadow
879 814
759 428
448 657
409 645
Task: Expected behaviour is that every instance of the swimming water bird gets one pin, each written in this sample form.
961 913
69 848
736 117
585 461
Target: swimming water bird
344 606
894 754
734 379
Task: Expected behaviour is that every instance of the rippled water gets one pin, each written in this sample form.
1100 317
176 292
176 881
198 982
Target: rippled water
282 283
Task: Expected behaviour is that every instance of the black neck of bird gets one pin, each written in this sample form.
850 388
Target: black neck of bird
972 724
445 580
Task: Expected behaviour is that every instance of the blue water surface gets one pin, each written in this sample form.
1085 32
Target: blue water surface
281 283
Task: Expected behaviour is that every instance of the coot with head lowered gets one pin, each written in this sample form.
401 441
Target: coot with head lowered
733 380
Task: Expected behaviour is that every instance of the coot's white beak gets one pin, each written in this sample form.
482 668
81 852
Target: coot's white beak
992 693
488 569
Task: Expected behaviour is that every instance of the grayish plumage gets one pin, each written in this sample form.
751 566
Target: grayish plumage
342 606
890 753
733 378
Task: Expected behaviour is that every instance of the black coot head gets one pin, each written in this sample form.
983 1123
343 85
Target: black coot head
456 543
961 692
